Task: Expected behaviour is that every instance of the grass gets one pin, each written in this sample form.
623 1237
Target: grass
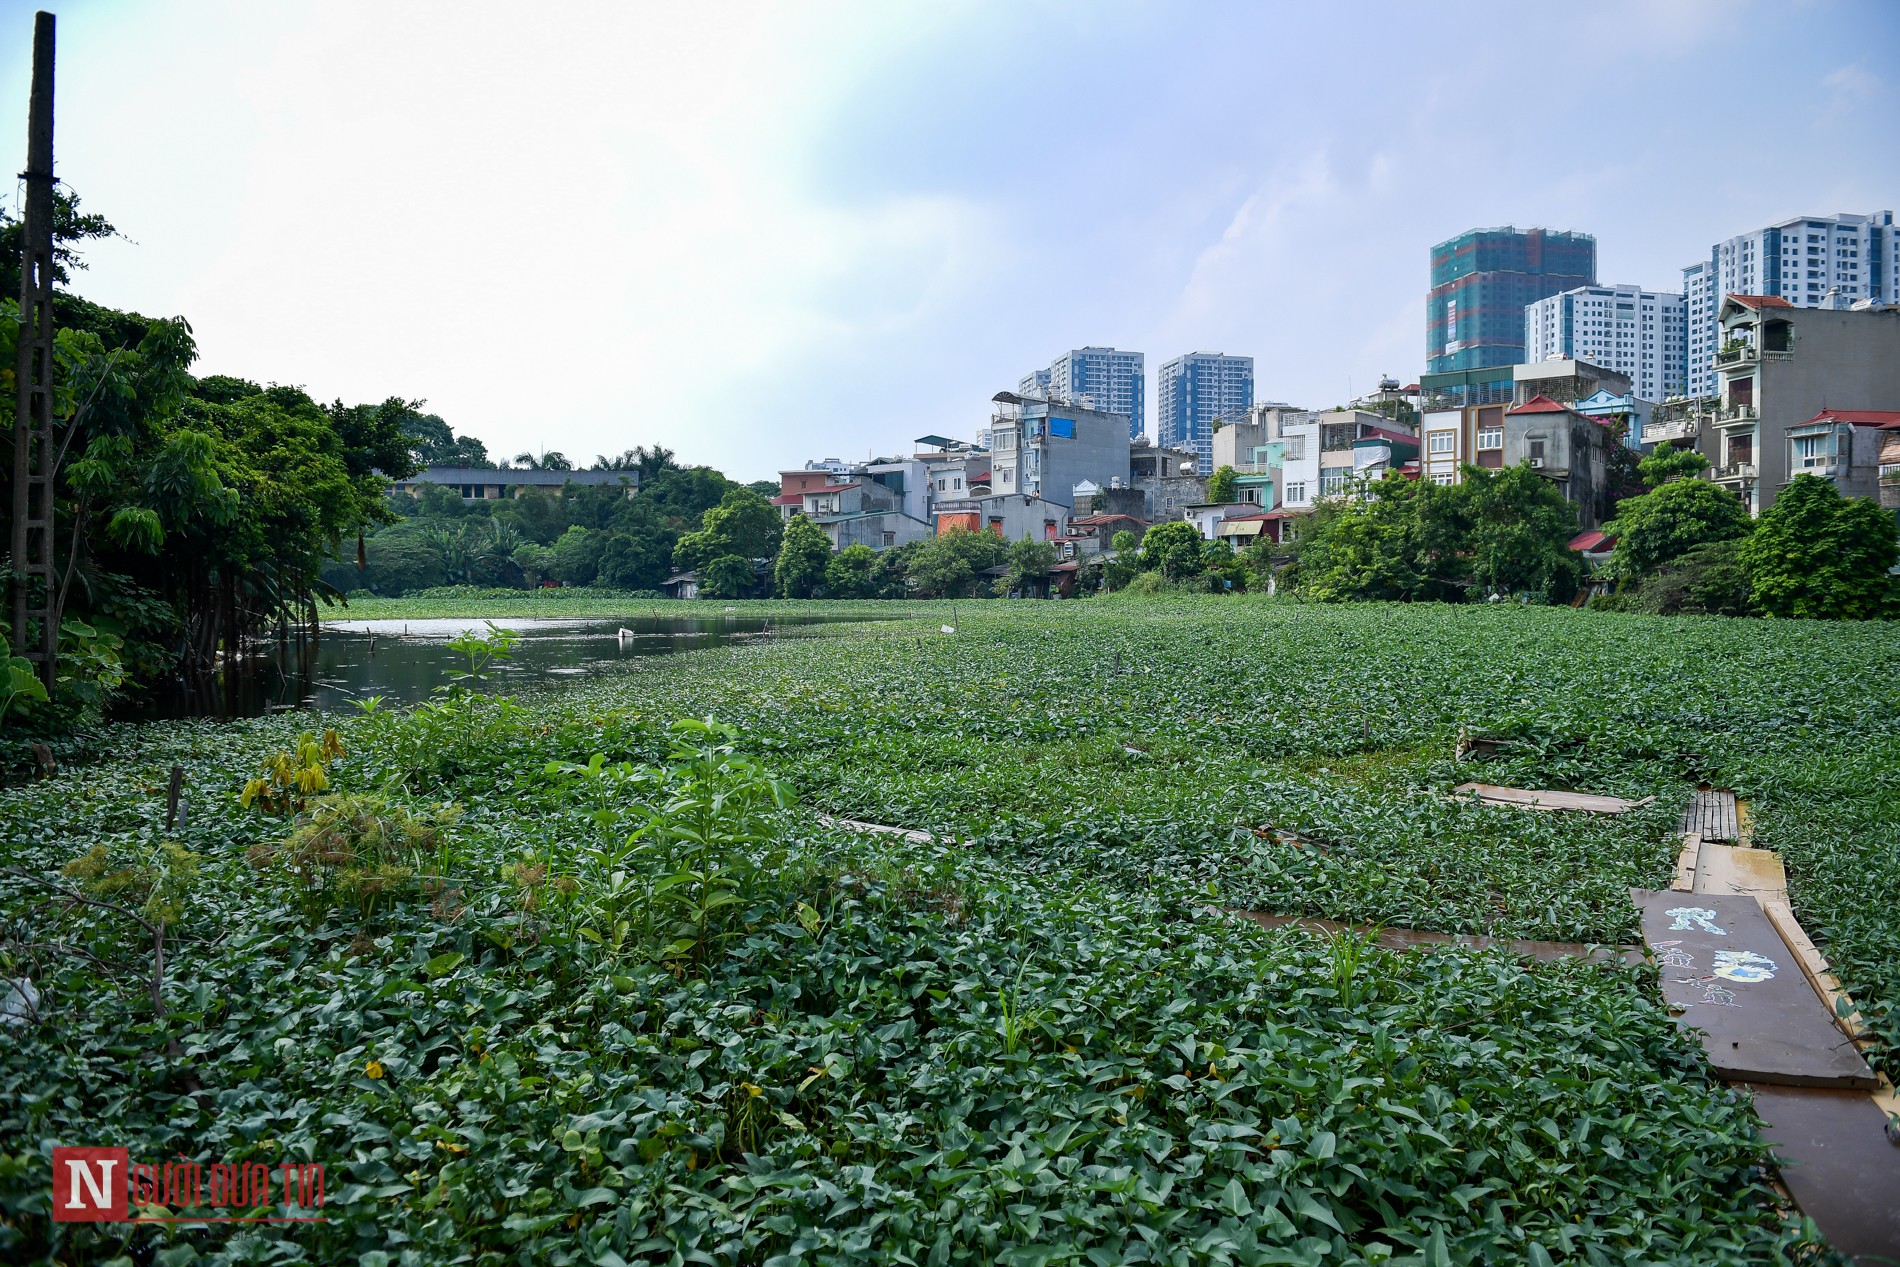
1043 1046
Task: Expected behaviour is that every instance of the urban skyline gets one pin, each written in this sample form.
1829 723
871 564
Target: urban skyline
805 208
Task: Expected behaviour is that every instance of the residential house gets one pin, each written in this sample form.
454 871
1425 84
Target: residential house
1780 368
1566 380
1845 446
1169 479
1012 516
1243 530
1092 534
1043 449
486 483
1627 416
1207 516
862 512
1890 472
1566 447
1339 432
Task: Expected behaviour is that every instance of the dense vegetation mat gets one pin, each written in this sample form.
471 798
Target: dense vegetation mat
515 1047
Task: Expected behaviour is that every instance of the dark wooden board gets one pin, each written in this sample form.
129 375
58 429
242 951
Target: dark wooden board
1838 1164
1727 973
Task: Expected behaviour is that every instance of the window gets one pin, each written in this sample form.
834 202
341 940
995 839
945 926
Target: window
1812 451
1537 450
1333 483
1440 442
890 539
1491 437
1296 493
1442 477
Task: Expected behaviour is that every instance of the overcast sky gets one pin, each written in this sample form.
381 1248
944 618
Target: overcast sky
761 233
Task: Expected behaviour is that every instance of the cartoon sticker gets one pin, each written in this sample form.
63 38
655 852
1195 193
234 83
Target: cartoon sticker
1718 996
1743 965
1671 955
1688 918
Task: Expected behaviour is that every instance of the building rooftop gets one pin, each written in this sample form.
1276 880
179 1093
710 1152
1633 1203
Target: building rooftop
1883 418
1593 540
1761 301
1540 404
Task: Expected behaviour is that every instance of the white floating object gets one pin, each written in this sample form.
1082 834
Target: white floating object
22 1002
949 628
625 634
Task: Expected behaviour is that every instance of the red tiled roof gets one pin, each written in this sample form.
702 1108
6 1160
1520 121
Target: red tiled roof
1761 301
1587 541
829 488
1410 389
1262 515
1383 434
788 499
1883 418
1540 404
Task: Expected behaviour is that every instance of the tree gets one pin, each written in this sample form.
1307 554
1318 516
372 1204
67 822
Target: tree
1222 567
1221 485
1029 562
1123 541
849 572
1666 463
634 561
803 555
890 575
1401 539
1518 530
534 561
1707 580
575 558
1673 518
1173 549
1819 555
728 576
947 566
743 524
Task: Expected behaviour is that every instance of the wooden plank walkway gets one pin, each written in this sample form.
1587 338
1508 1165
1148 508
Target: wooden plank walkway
1539 798
1712 816
1414 939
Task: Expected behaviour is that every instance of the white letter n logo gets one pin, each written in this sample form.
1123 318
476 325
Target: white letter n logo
89 1185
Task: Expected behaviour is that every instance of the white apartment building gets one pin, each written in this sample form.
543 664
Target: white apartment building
1810 261
1106 380
1637 332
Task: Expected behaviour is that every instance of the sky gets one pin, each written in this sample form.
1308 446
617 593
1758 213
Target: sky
762 233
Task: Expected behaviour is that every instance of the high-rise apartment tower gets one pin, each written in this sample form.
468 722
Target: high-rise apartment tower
1623 328
1481 281
1194 392
1810 261
1102 379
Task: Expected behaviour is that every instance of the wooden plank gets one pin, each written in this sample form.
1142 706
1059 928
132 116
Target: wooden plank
1838 1164
1686 863
1712 816
1536 798
1727 974
1733 869
1414 939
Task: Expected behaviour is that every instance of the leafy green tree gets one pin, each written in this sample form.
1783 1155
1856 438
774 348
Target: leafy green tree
1122 541
947 566
1223 568
1222 485
1118 571
743 524
728 576
1706 580
1401 540
534 561
634 561
575 558
849 572
1666 463
890 575
1518 529
803 556
1674 517
1172 549
1819 555
1029 562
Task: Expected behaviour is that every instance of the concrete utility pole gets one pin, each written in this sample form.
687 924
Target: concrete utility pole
34 454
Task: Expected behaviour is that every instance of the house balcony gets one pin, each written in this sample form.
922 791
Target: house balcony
1675 429
1254 468
1738 416
1735 473
1736 357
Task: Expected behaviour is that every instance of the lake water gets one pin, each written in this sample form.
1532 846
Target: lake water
404 661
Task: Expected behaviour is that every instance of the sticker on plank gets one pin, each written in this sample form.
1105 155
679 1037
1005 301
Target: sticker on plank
1687 919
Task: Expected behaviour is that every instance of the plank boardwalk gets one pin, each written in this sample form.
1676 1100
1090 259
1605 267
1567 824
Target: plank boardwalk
1711 815
1540 798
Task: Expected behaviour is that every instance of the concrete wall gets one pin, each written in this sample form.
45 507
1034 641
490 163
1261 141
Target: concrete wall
1837 360
879 531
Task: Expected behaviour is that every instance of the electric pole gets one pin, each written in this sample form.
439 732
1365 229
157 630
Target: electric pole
34 453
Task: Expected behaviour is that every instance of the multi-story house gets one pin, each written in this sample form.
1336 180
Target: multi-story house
1637 332
1103 379
1785 375
861 511
1012 516
1196 391
1481 281
1807 262
1167 479
1566 447
1044 449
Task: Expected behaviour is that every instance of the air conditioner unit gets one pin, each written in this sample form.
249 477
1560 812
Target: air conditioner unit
1537 462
